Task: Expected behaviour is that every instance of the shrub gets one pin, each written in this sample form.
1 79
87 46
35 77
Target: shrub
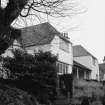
35 74
91 89
14 96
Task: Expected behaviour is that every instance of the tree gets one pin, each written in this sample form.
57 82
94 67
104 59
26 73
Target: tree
35 74
24 8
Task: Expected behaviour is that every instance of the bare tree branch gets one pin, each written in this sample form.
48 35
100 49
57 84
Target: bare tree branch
24 8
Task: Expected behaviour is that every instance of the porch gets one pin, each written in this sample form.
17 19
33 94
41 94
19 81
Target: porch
80 71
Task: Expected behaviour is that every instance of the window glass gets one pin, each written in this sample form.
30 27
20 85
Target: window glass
66 68
62 67
93 61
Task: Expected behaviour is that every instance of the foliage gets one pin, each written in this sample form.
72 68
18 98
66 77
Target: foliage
33 73
66 84
93 90
4 72
14 96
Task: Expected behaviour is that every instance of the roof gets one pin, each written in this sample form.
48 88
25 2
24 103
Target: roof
102 67
75 63
78 51
39 34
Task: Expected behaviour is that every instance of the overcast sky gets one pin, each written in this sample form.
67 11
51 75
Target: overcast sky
87 29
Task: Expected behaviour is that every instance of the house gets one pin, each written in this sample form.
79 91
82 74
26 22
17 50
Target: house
45 37
102 70
80 71
82 56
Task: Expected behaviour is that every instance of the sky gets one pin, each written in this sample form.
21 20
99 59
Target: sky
87 29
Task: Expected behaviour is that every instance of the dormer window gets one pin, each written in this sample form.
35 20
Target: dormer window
64 45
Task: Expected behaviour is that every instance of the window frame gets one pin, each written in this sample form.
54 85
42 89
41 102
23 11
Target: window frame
62 68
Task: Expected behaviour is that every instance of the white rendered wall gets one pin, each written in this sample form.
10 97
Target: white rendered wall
84 60
95 70
63 56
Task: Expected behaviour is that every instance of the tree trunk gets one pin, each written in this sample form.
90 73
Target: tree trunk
7 16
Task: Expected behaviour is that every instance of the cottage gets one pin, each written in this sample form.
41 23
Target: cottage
82 56
45 37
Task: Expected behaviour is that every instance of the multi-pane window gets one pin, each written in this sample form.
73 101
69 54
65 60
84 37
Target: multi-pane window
62 67
64 45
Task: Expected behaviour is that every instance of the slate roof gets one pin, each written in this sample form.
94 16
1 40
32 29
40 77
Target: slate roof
39 34
76 64
78 51
102 67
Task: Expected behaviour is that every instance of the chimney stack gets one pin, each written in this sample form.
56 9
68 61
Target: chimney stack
65 34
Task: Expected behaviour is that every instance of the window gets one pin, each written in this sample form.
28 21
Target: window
62 67
64 45
93 61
